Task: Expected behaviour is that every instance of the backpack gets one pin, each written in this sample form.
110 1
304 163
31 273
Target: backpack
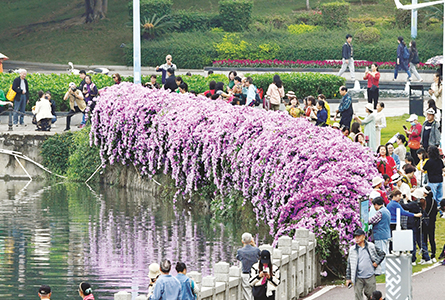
405 53
258 96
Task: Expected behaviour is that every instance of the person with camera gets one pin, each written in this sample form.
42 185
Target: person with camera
42 110
264 278
77 103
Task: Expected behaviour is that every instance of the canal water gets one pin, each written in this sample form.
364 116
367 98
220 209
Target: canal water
62 234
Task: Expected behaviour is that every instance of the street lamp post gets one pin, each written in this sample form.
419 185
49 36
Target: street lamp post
136 42
421 5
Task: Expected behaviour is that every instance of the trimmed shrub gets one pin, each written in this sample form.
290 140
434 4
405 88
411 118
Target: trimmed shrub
310 18
235 15
150 7
232 46
303 84
335 14
301 28
195 21
368 35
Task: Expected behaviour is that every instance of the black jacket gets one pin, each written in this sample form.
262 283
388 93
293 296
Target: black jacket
430 212
346 51
170 83
413 207
18 90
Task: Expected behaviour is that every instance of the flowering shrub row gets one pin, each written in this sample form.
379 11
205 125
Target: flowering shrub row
247 63
295 174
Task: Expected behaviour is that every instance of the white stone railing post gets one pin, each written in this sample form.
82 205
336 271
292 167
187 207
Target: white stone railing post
235 283
221 271
122 296
302 236
294 270
208 288
285 247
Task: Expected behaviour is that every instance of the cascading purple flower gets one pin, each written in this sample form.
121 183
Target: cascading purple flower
295 174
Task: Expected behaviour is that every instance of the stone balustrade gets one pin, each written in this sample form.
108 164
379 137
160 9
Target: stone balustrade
299 269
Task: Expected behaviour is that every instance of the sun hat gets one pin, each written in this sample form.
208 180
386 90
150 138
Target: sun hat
418 194
369 107
336 125
412 118
154 270
291 94
430 111
376 181
395 178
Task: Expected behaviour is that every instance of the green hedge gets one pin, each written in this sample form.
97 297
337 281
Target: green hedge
303 84
195 21
235 15
150 7
198 51
335 14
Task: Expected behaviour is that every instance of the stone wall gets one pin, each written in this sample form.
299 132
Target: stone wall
299 269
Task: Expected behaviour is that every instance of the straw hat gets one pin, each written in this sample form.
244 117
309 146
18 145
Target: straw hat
154 270
376 181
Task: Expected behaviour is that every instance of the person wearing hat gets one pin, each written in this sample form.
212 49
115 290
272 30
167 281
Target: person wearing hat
360 138
77 103
336 125
294 107
413 224
264 278
381 228
403 187
248 255
430 135
378 190
153 274
370 128
44 292
364 261
414 137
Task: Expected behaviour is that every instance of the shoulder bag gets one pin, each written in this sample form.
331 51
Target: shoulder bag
11 94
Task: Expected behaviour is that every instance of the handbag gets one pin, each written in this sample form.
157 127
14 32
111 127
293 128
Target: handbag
259 291
373 88
414 144
11 94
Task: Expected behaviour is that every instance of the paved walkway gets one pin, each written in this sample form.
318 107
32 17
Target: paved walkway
426 284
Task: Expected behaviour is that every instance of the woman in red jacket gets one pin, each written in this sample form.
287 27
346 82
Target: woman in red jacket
414 137
385 163
373 78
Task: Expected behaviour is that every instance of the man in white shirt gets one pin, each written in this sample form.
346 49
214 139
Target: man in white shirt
250 101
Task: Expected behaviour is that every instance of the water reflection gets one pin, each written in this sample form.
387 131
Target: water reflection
66 233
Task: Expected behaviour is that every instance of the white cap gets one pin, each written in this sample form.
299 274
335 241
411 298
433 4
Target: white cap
412 118
430 111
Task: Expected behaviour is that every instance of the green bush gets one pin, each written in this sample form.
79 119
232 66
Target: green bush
232 47
368 35
150 7
303 84
56 152
301 28
235 15
310 18
195 21
200 84
335 14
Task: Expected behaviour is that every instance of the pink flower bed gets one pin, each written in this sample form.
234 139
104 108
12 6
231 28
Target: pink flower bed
295 174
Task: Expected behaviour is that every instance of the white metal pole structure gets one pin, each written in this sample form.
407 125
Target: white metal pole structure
414 21
136 42
421 5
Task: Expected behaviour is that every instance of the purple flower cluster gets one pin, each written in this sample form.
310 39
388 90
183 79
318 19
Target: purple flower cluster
247 63
296 175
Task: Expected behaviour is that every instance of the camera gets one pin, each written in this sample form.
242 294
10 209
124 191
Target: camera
73 89
46 97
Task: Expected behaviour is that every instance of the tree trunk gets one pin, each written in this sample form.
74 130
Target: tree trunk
95 9
308 7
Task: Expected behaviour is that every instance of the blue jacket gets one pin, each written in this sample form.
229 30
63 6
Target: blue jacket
322 117
392 207
186 287
167 288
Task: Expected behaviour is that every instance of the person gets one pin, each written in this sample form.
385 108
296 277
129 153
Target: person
232 75
153 274
117 78
188 286
294 108
42 110
275 91
20 86
434 168
355 129
322 97
377 190
409 178
248 255
4 101
423 158
77 103
89 93
438 116
364 261
183 88
376 295
381 230
428 228
311 110
414 60
373 78
413 224
152 84
402 186
164 68
170 82
82 75
251 92
345 131
360 138
167 287
322 114
347 54
345 107
394 156
380 121
85 291
401 148
436 90
178 81
44 292
402 62
211 90
430 135
385 163
336 125
264 278
414 136
370 127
